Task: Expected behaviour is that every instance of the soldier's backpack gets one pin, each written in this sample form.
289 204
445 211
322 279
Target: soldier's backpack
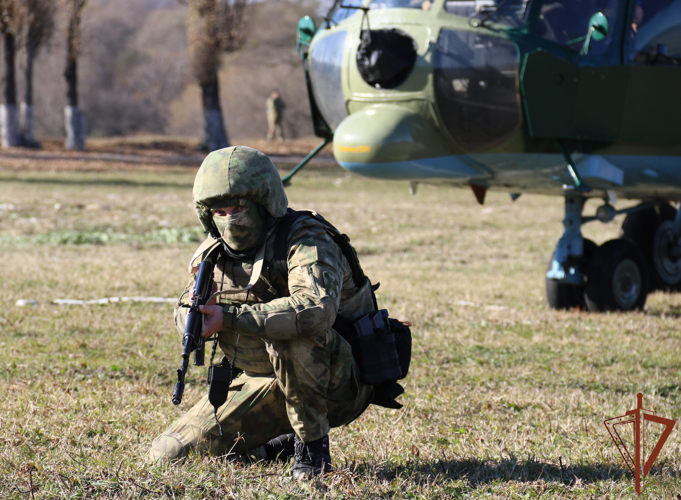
381 345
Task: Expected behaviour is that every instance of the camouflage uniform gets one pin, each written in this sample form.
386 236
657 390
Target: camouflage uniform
298 373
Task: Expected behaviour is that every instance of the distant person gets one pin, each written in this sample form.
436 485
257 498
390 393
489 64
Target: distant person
275 109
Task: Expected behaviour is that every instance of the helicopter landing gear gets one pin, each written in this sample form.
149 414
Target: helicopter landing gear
570 246
564 277
612 277
617 277
562 296
652 230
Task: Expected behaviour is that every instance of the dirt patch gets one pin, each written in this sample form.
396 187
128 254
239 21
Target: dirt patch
164 146
149 153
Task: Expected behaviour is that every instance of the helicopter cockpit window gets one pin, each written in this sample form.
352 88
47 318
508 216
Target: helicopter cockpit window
567 22
401 4
325 74
476 88
509 12
337 13
654 32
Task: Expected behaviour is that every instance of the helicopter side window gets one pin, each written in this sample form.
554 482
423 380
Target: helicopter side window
509 12
567 22
401 4
654 33
475 79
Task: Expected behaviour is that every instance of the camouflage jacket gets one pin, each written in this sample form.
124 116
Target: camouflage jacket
280 307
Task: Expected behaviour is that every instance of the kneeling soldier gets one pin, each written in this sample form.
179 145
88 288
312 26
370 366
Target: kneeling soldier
298 376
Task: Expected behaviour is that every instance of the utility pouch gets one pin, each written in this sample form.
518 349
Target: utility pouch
402 344
373 344
220 380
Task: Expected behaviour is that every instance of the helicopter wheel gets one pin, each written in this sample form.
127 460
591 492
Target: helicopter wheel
651 231
561 296
617 278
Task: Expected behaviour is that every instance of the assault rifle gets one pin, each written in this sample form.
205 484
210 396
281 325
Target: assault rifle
193 341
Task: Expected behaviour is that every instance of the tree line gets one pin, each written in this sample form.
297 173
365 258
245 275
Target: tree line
214 27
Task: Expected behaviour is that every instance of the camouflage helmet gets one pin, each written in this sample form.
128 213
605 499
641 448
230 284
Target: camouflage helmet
238 172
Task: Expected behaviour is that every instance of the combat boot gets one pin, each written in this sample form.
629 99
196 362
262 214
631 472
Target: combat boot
311 459
280 448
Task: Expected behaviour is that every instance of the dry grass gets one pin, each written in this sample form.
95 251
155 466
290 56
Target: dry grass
505 398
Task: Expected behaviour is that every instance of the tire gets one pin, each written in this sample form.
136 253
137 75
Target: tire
617 278
561 296
641 228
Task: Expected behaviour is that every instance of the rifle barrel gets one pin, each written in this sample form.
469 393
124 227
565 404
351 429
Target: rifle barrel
178 391
192 341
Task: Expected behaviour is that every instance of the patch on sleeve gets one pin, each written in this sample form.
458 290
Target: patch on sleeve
331 284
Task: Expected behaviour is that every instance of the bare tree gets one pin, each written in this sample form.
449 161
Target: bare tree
74 119
214 27
9 119
38 29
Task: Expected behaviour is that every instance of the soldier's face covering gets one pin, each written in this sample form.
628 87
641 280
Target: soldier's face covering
239 223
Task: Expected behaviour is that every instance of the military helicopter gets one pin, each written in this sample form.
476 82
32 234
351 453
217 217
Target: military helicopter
573 98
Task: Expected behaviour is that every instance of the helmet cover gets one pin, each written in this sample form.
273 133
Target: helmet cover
237 172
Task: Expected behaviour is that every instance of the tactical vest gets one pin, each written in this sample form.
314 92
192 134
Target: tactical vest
273 283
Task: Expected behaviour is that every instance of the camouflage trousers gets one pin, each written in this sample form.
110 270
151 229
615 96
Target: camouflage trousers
315 386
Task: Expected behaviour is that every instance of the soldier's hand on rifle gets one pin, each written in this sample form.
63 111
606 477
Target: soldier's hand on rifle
212 320
212 301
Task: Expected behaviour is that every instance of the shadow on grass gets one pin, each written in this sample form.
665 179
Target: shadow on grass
478 472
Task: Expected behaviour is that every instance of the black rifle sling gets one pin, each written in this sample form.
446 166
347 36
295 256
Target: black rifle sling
281 243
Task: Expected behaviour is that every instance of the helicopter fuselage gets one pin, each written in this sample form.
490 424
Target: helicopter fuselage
486 105
574 98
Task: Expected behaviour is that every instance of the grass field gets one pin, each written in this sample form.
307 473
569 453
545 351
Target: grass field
505 397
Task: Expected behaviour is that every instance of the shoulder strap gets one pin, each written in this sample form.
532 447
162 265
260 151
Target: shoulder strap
281 238
207 246
342 240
